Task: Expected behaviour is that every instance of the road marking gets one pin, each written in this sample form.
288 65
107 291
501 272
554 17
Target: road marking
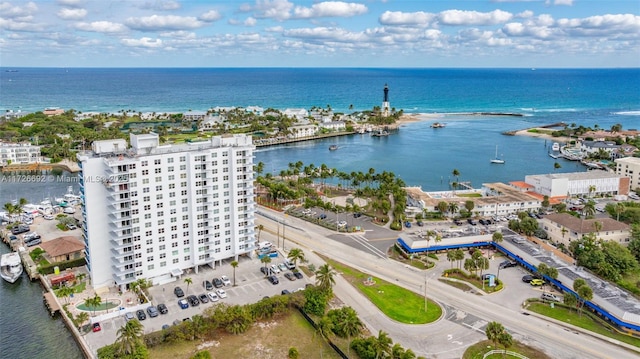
365 243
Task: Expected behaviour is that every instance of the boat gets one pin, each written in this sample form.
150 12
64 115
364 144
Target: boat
555 147
497 159
333 147
438 125
11 267
380 133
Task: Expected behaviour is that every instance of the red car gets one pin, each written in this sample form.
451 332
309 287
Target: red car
96 327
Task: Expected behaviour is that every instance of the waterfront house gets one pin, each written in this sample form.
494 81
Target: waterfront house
590 183
565 228
63 249
334 126
591 147
297 113
303 130
19 153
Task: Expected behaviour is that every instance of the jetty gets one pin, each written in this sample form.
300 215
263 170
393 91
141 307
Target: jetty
51 303
552 125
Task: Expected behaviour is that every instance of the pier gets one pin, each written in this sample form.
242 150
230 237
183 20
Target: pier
51 303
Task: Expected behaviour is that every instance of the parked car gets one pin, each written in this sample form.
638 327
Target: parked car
183 303
282 267
13 238
163 309
153 312
322 216
298 275
31 236
507 264
178 292
193 300
420 223
550 297
342 224
71 226
203 298
290 265
129 316
290 276
536 282
217 282
225 280
471 222
357 215
207 285
407 224
527 278
33 242
285 292
275 268
140 314
457 222
20 229
221 293
48 217
264 270
273 279
213 297
96 327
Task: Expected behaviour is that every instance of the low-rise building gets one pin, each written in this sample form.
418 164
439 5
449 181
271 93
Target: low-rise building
303 130
629 167
334 125
590 183
591 147
563 228
19 153
63 249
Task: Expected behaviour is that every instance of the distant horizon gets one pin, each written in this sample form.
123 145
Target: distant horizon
322 67
319 33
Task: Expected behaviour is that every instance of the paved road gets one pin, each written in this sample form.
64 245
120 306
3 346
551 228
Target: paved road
466 313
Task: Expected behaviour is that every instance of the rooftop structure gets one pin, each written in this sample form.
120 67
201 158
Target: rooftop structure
629 167
588 183
151 211
565 228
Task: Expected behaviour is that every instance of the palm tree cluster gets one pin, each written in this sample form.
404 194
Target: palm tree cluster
477 262
15 209
455 255
498 334
381 347
296 184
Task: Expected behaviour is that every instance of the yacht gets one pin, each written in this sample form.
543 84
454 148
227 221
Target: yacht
437 125
11 267
555 147
333 147
497 159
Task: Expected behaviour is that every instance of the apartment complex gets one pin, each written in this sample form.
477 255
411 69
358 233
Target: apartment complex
588 183
565 228
154 211
19 153
629 167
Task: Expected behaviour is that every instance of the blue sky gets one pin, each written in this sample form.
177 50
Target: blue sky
287 33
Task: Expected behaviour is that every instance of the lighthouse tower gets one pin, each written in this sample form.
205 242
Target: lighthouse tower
385 102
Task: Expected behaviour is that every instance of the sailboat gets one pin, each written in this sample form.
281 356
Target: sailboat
497 159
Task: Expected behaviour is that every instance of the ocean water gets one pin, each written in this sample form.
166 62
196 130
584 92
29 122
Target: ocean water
418 154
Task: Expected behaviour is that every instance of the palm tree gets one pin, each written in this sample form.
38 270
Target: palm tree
453 207
456 174
592 189
188 281
266 260
497 237
619 209
350 324
234 264
442 206
382 345
81 318
295 255
129 337
597 226
589 209
323 329
93 302
65 292
506 340
325 277
493 331
451 256
260 228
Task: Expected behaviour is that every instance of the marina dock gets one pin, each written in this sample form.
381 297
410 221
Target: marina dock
51 303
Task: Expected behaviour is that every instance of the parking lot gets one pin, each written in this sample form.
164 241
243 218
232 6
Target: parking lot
251 286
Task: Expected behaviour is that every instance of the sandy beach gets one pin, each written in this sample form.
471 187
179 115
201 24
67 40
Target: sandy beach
542 135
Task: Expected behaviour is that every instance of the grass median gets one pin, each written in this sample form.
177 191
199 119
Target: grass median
395 302
584 321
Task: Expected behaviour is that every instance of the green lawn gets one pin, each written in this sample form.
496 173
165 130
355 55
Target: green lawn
395 302
479 349
585 321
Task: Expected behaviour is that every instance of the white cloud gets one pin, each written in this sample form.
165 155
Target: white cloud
72 14
142 42
525 14
70 3
169 22
161 5
330 9
107 27
461 17
179 34
562 2
603 25
210 16
406 18
325 33
274 9
250 21
9 11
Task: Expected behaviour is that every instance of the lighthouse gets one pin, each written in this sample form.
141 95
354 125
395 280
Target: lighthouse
385 102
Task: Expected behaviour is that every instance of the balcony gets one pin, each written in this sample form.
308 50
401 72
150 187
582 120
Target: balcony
114 216
119 244
119 255
120 233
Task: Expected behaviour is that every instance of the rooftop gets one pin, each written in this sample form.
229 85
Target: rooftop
62 246
583 226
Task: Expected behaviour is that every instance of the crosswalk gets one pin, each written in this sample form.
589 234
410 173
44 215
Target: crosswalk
364 242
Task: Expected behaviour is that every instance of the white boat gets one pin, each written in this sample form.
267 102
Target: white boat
333 147
555 147
497 159
11 267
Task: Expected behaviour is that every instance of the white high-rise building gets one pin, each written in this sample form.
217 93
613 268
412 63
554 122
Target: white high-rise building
153 211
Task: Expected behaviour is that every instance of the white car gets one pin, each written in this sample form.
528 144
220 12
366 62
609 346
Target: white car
342 223
48 217
306 211
225 280
221 293
282 266
213 296
275 268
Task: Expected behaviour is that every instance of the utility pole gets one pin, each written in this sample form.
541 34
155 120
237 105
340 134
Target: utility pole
283 226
